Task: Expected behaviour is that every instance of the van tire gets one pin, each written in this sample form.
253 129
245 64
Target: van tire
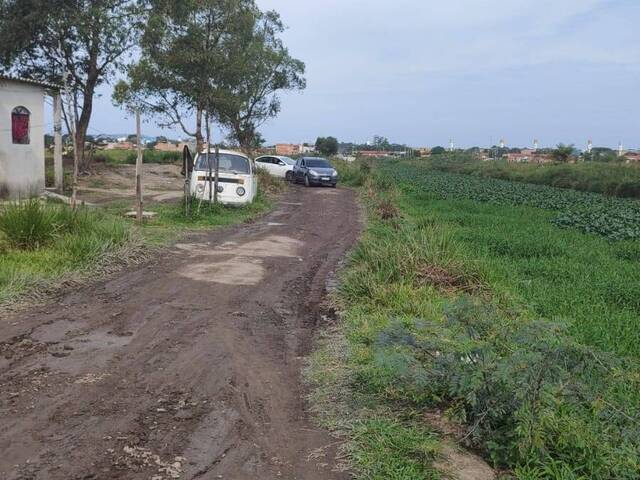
306 181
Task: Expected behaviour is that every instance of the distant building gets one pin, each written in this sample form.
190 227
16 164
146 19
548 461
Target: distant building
286 149
170 146
632 157
120 145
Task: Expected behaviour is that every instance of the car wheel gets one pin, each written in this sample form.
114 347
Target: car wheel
333 185
306 181
288 176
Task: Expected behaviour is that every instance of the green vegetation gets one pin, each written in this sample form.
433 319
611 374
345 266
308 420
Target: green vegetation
612 217
45 244
470 301
42 241
608 178
128 157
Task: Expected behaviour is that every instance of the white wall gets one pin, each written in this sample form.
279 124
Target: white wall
21 166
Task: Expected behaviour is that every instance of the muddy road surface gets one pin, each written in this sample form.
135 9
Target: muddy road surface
188 367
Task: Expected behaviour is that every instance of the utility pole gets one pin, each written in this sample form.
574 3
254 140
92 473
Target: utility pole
57 142
138 168
72 126
210 179
215 183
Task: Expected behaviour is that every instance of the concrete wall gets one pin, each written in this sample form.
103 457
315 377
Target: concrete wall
21 166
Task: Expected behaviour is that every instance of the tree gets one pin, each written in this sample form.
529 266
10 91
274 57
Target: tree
265 68
562 152
438 150
327 145
82 42
190 51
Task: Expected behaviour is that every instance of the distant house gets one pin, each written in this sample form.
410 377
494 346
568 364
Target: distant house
22 122
287 149
120 145
632 157
170 146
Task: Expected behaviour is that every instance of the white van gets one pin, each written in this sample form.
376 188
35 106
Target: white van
237 183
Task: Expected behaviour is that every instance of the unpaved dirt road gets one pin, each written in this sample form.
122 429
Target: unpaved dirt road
186 368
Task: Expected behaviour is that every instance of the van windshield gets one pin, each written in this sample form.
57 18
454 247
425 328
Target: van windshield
228 163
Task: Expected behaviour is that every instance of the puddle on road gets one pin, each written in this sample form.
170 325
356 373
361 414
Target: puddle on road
238 271
239 263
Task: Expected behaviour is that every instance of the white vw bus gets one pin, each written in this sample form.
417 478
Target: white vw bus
237 183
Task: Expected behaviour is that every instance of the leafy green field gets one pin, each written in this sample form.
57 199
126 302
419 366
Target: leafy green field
473 299
614 179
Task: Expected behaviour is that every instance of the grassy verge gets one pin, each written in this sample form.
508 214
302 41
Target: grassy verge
44 245
606 178
521 333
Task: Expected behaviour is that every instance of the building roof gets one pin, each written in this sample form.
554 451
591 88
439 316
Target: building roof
38 83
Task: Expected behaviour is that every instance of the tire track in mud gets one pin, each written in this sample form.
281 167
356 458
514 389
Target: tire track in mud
188 367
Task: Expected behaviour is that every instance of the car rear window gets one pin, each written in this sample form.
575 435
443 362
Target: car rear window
317 162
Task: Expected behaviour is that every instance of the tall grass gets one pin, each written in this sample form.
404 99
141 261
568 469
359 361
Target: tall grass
42 241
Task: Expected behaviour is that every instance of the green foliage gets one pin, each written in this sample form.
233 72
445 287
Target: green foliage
533 350
613 218
529 394
44 38
562 152
327 145
129 157
611 179
353 174
438 150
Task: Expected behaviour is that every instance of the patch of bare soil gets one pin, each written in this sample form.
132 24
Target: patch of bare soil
117 182
188 367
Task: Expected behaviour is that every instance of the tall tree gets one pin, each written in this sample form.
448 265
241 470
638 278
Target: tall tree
327 145
82 42
189 51
562 152
264 69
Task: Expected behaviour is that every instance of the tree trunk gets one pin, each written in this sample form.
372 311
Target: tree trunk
82 126
199 139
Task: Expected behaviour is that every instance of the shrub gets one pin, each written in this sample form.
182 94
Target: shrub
529 394
30 224
269 183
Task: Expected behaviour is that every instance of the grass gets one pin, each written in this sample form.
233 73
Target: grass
524 334
40 242
607 178
45 244
128 157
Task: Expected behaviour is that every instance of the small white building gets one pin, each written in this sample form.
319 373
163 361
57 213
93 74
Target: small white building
22 128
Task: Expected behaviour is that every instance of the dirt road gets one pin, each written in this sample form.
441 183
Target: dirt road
187 368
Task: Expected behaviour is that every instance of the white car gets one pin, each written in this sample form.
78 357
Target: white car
237 183
276 165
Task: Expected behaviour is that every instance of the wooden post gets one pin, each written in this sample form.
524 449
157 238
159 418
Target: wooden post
139 169
58 174
216 177
210 170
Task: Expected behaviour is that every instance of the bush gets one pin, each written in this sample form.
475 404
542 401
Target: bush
269 183
29 225
529 394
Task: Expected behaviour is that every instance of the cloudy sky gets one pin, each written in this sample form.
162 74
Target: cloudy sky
423 71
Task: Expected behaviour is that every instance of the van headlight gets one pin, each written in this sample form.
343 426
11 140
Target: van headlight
240 191
200 188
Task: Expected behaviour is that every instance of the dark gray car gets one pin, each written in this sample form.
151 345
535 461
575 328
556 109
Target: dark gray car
315 171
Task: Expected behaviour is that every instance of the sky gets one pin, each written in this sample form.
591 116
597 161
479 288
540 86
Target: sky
423 71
